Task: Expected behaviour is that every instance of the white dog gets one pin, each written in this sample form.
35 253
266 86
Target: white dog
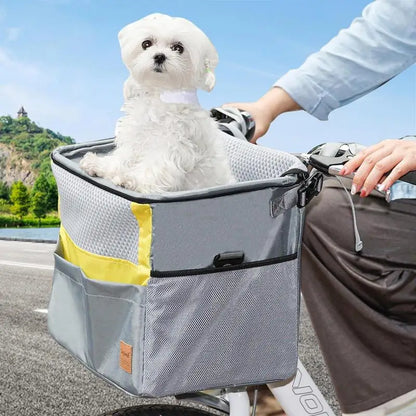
166 141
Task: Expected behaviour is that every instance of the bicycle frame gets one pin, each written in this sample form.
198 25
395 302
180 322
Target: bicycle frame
299 397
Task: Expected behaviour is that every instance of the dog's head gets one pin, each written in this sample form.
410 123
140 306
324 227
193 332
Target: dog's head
168 52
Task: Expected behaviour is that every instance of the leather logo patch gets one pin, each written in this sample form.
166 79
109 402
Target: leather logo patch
126 357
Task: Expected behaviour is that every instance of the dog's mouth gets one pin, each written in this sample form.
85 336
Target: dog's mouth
157 69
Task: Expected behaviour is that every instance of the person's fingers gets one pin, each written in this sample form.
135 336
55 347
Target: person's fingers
377 172
406 165
382 163
374 165
353 164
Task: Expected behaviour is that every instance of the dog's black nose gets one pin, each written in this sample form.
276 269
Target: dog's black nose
159 58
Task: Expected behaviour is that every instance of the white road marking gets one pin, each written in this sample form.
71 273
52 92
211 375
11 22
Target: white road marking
36 250
28 265
41 310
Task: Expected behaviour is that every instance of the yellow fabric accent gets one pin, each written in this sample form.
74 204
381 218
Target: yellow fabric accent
111 269
143 214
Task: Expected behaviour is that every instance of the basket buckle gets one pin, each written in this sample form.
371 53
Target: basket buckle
310 189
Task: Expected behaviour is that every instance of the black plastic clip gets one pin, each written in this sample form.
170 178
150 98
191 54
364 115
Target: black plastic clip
229 258
311 188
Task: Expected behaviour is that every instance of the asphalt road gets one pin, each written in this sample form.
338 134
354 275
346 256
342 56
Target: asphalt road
37 376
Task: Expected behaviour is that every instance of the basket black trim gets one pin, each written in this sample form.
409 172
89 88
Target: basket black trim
212 269
190 197
91 180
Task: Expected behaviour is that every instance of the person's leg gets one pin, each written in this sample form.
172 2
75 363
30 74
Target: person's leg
404 405
362 306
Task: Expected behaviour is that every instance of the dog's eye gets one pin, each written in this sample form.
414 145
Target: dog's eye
147 44
177 47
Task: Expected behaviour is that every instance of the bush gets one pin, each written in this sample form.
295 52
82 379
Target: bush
48 221
12 221
9 221
5 206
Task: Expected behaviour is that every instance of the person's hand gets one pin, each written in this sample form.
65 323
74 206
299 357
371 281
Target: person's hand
382 163
275 102
261 116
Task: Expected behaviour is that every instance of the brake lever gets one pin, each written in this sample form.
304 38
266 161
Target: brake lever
324 163
332 165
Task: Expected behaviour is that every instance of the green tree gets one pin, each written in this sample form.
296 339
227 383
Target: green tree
52 194
41 184
20 198
22 124
6 123
46 184
4 191
44 195
39 202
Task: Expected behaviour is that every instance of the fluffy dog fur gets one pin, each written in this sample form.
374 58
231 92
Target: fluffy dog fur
166 141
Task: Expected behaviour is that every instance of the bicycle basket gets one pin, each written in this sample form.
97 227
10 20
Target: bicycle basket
183 291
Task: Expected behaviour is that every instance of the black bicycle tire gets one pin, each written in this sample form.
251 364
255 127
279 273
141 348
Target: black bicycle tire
158 410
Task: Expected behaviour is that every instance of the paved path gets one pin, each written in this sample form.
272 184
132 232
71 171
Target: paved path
38 377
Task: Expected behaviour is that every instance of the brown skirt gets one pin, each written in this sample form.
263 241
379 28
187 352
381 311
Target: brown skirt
362 305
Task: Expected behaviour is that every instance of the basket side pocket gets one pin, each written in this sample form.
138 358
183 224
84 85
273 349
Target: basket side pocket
100 323
237 327
67 310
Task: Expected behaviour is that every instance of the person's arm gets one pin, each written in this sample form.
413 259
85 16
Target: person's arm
375 48
275 102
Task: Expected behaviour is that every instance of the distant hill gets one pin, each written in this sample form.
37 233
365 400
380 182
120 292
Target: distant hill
25 149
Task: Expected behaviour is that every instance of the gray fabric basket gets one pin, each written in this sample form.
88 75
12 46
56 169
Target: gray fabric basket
137 296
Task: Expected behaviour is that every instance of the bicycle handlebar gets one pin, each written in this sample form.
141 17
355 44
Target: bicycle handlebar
326 164
240 124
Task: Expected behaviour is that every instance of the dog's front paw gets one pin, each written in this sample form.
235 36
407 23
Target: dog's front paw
90 164
135 180
126 181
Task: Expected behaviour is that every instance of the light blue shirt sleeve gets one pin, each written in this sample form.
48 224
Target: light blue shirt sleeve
375 48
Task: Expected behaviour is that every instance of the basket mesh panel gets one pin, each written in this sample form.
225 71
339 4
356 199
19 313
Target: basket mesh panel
96 220
228 328
249 162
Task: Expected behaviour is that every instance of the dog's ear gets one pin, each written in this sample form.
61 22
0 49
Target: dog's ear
127 44
208 78
208 63
203 53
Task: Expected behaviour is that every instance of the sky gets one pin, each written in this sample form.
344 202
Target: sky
60 59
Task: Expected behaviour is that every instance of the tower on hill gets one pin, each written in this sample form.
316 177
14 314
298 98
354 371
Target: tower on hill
21 113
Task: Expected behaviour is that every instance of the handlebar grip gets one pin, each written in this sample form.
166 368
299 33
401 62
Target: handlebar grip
410 177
